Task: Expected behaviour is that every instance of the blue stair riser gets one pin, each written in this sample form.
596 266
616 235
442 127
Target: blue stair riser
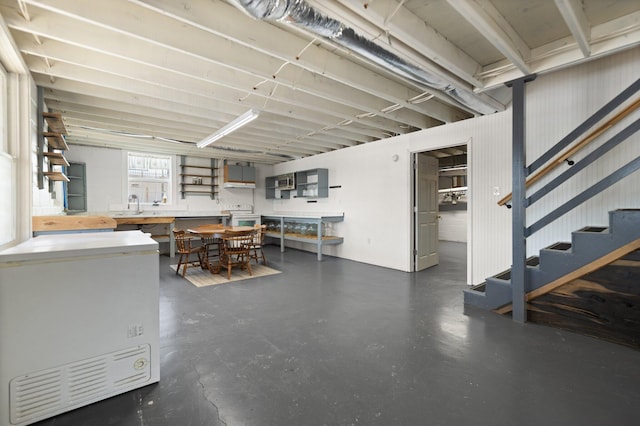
624 221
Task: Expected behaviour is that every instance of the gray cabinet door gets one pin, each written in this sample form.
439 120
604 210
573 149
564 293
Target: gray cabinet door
233 173
248 174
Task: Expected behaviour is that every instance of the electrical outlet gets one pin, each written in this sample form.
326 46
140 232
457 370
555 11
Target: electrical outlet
496 191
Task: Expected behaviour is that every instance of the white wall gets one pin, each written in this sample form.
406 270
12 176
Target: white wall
106 184
104 172
452 226
375 194
373 197
376 191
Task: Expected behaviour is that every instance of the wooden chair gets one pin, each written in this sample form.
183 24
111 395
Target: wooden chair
235 251
185 249
213 249
256 244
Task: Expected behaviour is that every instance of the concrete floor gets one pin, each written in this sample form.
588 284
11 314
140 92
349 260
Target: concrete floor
343 343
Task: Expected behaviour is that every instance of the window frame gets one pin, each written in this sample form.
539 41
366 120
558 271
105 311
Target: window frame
169 192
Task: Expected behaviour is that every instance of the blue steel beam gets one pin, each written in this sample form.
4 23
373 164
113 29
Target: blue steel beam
518 219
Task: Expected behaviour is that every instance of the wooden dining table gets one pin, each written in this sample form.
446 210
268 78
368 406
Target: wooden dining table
217 229
209 231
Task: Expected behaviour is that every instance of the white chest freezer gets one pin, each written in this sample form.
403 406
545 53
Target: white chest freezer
79 321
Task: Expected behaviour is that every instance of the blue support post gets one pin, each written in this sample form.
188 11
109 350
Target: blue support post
519 176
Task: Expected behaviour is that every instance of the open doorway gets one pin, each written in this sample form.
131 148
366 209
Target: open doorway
447 204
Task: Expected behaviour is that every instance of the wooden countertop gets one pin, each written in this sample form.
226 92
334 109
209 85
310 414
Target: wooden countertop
143 220
71 223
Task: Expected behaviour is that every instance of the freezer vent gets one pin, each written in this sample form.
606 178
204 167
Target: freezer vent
34 395
87 380
42 394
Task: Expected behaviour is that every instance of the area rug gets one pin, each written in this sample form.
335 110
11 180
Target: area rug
203 278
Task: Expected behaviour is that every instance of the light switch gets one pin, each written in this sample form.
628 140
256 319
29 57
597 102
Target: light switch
496 190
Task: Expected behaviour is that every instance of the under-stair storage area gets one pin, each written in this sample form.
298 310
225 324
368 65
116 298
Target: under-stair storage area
602 303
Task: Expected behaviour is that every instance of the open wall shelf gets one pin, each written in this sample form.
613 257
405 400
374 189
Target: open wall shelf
56 158
57 176
198 179
54 122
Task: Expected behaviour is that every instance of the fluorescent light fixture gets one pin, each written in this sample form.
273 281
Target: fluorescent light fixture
245 118
450 169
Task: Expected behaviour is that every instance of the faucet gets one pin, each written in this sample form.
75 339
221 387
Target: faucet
132 198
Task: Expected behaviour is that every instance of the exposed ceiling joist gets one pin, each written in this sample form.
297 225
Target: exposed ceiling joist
263 37
574 16
414 32
495 28
166 73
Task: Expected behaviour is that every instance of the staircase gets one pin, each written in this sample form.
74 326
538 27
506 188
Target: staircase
590 249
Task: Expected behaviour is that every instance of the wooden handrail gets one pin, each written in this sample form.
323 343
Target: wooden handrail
577 147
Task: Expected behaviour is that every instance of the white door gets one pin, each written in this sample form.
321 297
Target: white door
426 216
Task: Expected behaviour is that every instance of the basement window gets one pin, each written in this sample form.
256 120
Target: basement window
149 178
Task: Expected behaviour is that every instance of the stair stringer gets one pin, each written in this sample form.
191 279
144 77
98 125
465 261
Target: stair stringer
586 248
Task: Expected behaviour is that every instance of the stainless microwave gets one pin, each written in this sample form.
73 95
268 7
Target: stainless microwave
286 181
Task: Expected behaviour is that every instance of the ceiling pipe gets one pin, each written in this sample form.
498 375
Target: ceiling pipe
302 15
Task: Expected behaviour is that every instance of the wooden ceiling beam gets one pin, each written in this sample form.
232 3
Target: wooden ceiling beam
495 28
574 16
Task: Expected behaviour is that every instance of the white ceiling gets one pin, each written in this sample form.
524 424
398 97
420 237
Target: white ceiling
161 75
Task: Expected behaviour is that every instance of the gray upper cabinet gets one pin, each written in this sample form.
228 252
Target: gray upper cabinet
249 174
233 173
278 186
239 176
305 184
312 183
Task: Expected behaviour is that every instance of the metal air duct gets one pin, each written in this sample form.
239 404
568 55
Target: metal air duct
301 14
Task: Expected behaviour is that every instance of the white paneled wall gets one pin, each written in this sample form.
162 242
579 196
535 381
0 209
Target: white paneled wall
558 103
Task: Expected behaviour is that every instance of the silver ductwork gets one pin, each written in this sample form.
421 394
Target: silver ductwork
302 15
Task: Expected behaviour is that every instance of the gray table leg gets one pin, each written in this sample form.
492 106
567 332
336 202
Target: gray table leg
281 235
319 235
172 240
